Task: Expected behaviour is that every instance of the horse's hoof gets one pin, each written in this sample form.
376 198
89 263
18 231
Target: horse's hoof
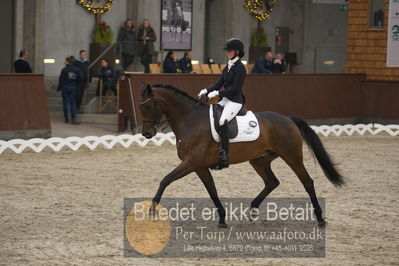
321 224
222 225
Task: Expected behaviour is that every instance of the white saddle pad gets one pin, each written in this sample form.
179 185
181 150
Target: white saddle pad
248 127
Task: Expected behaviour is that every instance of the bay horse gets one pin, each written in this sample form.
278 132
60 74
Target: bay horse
280 136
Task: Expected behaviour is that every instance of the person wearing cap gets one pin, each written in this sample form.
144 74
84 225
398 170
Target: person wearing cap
229 89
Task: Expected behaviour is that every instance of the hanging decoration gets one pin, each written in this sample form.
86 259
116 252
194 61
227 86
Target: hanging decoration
94 6
260 9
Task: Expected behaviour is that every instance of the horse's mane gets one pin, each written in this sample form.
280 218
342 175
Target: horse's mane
176 90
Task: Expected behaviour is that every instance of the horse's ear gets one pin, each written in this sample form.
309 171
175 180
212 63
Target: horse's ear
146 89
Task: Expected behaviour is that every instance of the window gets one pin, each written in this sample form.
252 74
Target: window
376 15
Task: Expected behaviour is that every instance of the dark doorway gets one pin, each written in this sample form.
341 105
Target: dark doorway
6 44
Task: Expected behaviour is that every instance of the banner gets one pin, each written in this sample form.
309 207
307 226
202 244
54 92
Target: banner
393 34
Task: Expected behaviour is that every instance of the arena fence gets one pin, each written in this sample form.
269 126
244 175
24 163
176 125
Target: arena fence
125 140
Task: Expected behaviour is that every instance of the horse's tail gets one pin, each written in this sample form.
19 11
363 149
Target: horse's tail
316 146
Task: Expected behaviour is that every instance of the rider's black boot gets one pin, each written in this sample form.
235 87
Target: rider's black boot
224 147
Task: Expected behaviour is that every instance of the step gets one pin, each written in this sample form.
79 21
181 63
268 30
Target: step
101 119
53 100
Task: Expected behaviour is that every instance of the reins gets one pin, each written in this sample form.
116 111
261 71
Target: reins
157 124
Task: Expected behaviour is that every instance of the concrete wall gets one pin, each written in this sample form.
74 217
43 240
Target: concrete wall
309 25
58 28
326 33
68 28
6 44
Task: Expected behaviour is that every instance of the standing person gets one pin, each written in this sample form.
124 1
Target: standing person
232 98
83 64
185 63
127 43
170 64
278 64
68 82
108 77
146 49
264 64
21 65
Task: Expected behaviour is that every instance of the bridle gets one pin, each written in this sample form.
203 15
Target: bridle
156 124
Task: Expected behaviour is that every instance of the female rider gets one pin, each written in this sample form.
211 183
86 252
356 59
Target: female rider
229 89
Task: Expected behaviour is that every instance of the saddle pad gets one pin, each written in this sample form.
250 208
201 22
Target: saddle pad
248 127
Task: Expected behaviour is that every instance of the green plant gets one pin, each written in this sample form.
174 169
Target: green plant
259 39
103 33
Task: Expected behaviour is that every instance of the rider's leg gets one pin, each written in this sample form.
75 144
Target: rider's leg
229 112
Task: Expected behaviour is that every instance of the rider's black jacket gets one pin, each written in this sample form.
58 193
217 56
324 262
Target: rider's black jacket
232 82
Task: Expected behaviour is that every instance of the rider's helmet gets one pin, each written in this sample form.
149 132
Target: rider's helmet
235 44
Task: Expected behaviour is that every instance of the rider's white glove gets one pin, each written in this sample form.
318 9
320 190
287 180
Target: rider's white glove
213 94
203 92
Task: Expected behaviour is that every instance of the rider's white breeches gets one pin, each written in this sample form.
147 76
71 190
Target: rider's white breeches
230 110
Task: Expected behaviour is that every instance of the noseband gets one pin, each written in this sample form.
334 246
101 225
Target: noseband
156 124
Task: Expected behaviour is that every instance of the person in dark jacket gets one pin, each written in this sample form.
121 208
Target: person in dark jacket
21 65
278 64
145 46
83 64
68 81
185 63
127 43
264 64
229 89
170 64
108 77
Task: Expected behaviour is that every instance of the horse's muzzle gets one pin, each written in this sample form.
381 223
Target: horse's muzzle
147 135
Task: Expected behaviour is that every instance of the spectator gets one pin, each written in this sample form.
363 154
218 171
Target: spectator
170 64
69 80
185 63
264 64
146 49
83 64
21 65
278 64
127 43
108 77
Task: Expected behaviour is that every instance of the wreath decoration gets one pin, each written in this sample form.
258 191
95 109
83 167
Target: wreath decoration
88 5
260 9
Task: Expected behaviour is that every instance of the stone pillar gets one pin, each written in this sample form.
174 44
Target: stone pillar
33 33
198 34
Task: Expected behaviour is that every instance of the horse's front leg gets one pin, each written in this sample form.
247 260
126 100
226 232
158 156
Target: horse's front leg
206 177
183 169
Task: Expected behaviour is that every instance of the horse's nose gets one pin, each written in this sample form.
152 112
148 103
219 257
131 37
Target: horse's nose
147 135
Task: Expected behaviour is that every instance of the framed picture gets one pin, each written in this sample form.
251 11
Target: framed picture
176 24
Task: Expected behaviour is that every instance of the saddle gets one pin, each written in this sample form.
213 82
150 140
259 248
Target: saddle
232 125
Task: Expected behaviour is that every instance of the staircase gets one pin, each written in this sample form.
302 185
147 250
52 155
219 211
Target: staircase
108 120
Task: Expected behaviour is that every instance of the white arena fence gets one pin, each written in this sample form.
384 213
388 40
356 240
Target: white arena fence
109 141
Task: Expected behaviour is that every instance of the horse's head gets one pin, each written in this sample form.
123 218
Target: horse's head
151 110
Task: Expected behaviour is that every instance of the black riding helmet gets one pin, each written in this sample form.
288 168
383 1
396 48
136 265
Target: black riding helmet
235 44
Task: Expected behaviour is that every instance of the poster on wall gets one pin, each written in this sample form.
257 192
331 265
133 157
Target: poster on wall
393 34
176 24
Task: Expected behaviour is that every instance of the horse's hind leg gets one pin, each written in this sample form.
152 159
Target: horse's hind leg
205 175
297 166
263 168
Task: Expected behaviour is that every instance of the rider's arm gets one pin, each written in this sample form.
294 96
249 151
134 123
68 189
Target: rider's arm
218 84
239 77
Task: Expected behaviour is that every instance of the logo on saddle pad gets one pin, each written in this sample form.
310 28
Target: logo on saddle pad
244 127
253 123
